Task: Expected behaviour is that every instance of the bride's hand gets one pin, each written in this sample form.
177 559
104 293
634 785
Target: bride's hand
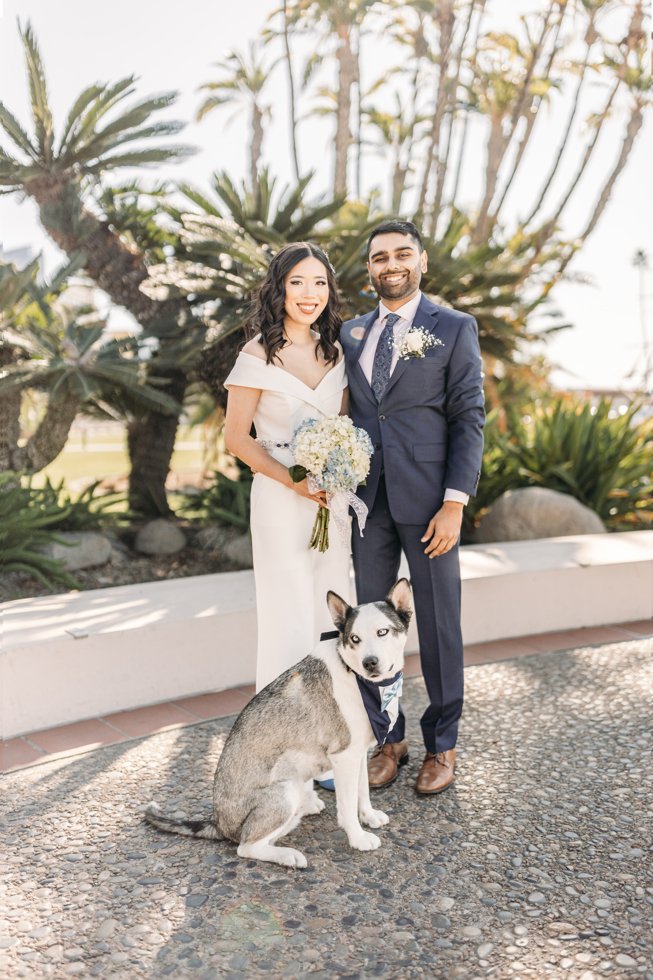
302 489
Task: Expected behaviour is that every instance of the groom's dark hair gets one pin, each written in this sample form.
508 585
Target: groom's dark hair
398 226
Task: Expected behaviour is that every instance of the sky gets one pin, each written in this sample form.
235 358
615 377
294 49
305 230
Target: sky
174 46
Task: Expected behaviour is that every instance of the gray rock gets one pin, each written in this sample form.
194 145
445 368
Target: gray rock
160 537
443 903
239 551
622 959
212 538
535 512
106 929
79 549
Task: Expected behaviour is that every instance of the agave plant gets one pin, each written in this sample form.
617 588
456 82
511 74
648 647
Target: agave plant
27 515
600 456
87 511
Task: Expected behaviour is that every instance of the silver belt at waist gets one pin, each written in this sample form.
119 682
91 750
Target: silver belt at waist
269 444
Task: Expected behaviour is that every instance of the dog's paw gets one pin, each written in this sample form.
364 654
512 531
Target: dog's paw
313 805
373 818
363 841
290 858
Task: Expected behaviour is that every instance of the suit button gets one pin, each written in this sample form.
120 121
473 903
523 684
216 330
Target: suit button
381 418
377 445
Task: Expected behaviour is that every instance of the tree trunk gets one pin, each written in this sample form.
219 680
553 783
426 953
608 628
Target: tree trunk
359 122
51 435
256 146
119 271
632 129
10 403
346 78
563 142
531 118
446 18
216 361
589 150
150 443
398 184
291 90
443 159
496 146
502 142
463 138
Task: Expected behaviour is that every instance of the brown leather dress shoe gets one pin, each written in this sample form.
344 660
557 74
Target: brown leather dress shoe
437 772
383 764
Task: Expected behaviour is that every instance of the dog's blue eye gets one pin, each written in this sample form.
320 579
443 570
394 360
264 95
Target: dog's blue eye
355 639
382 632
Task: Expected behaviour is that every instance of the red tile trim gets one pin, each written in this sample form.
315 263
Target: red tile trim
122 726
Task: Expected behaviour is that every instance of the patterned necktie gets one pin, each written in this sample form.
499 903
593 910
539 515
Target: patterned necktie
383 357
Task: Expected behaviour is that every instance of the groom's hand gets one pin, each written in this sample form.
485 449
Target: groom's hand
444 529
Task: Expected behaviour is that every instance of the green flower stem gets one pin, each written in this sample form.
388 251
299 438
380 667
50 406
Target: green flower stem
320 535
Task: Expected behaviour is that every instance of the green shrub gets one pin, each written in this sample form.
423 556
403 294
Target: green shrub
224 501
601 456
27 516
88 511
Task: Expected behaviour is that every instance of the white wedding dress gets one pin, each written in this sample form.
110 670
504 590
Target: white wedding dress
292 580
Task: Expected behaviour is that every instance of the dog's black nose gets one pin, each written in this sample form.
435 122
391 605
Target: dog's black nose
370 663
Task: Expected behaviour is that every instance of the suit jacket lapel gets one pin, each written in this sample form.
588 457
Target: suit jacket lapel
369 319
426 317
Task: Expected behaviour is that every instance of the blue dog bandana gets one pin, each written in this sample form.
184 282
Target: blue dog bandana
381 702
380 698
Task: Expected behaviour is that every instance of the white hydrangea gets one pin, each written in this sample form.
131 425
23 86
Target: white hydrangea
333 451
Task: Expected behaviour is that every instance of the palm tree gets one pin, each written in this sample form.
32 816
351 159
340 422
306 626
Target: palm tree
641 262
244 78
444 18
505 84
396 130
271 34
339 20
592 9
65 359
61 174
226 244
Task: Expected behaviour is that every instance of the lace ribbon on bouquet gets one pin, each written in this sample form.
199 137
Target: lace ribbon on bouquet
339 504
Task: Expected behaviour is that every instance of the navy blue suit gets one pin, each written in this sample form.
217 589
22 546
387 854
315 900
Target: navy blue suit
427 433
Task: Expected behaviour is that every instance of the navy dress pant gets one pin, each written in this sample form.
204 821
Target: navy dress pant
436 594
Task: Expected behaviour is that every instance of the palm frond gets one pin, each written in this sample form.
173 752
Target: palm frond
43 124
16 132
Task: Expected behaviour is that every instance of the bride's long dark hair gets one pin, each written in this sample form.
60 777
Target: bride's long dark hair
269 304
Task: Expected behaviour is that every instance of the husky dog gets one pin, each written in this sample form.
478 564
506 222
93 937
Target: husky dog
307 721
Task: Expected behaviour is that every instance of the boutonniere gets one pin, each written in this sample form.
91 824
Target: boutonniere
416 342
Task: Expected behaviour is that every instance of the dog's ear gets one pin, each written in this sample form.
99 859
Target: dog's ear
400 597
338 609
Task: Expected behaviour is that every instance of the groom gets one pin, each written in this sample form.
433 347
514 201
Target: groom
415 385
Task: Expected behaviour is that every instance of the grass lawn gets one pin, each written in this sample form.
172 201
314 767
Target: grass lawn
72 465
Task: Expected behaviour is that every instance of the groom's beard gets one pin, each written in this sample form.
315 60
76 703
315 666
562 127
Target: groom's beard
408 286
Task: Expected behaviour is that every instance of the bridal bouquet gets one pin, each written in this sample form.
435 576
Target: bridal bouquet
334 456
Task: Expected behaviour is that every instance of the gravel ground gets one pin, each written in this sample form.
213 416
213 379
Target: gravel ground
537 863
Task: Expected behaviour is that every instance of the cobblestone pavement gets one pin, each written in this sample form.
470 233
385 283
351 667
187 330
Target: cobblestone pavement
537 863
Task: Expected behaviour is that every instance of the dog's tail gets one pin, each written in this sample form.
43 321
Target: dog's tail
206 829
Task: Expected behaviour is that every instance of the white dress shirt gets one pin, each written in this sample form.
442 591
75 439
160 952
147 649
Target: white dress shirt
406 314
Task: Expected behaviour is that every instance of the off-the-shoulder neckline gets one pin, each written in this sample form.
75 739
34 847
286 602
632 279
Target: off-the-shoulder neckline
290 374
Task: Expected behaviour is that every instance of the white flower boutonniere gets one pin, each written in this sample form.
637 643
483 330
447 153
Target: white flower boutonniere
416 342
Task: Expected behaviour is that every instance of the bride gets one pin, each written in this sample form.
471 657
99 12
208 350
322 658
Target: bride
291 370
